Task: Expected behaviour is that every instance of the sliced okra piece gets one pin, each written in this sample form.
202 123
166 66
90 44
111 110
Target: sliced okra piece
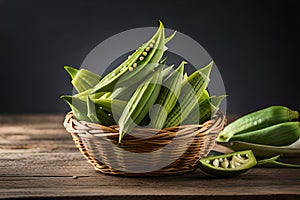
229 166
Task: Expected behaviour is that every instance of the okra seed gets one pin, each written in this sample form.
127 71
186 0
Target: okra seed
151 45
207 161
225 164
216 162
144 53
153 41
134 65
109 114
101 108
237 164
220 159
246 155
141 58
130 68
147 49
231 164
239 160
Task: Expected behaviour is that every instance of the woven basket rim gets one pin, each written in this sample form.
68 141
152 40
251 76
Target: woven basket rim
113 130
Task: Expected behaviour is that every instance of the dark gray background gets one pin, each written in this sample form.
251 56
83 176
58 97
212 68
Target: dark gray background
254 43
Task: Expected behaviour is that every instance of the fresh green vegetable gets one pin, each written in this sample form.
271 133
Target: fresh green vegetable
272 162
140 103
132 93
114 106
277 135
191 90
82 79
206 109
257 120
125 92
168 39
228 165
79 107
200 111
87 110
167 98
138 65
91 111
262 151
167 70
206 114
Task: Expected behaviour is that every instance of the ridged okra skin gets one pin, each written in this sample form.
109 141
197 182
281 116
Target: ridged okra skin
82 79
167 98
192 89
88 110
113 106
281 134
123 96
206 109
138 65
79 107
257 120
140 103
124 91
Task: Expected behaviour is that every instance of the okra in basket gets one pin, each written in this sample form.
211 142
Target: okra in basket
145 117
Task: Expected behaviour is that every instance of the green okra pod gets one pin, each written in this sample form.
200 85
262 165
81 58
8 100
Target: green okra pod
167 98
281 134
82 79
79 107
137 63
257 120
140 103
272 162
192 89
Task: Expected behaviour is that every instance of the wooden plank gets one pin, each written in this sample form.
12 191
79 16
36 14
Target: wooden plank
196 184
38 159
43 174
41 133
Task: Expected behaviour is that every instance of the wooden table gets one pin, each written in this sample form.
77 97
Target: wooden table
38 159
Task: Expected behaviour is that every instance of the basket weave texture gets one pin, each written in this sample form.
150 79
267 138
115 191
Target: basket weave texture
145 151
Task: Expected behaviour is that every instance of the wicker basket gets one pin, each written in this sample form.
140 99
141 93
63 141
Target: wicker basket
170 151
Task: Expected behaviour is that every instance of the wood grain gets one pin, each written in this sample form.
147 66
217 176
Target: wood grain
38 160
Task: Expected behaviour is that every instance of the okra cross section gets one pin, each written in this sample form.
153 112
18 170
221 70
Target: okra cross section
228 165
